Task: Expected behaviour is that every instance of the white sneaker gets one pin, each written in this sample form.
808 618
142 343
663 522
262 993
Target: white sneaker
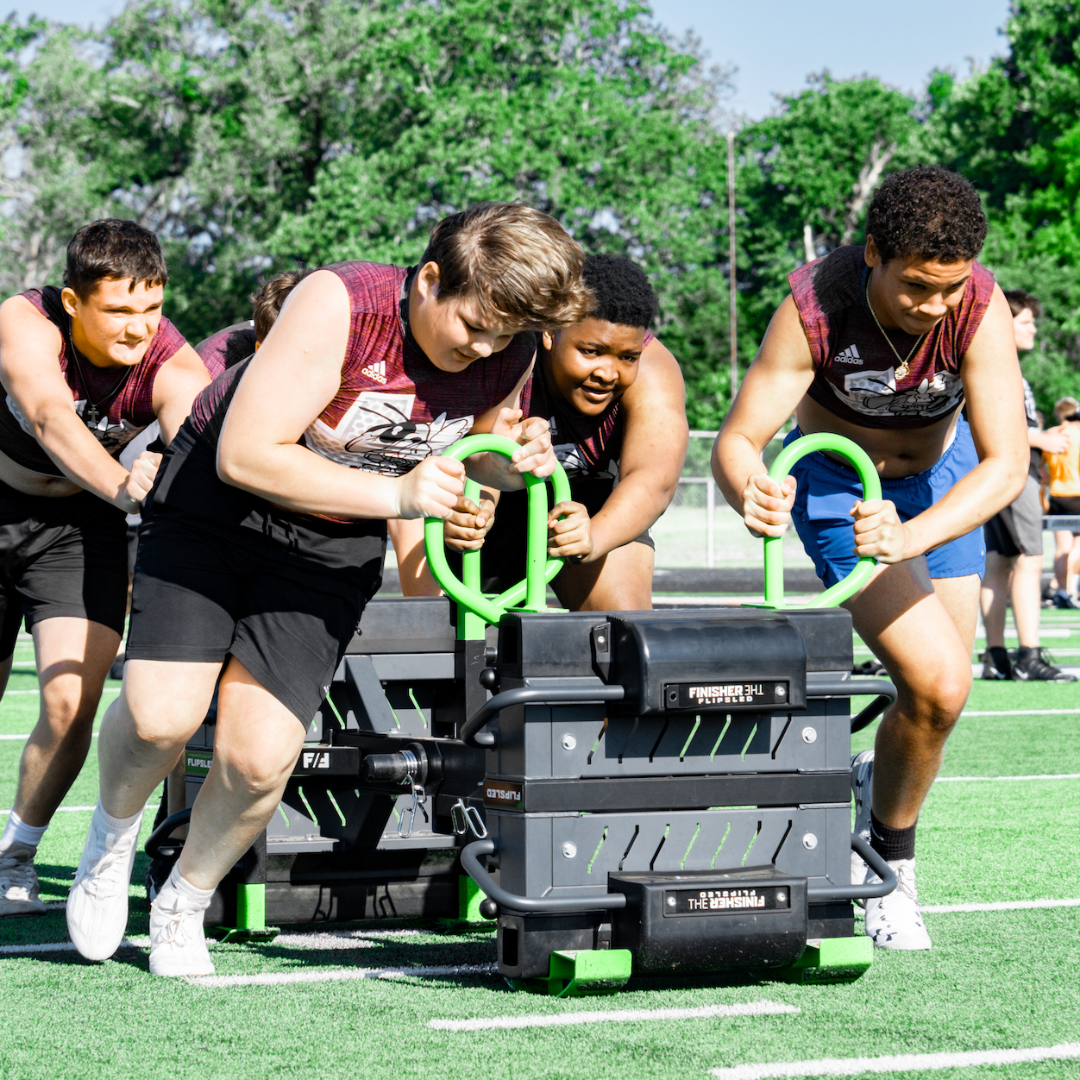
19 890
862 770
894 921
177 942
97 906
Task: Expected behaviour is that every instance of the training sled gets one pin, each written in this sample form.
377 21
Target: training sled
655 793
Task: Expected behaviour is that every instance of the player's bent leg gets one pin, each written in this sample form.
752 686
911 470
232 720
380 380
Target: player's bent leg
5 673
73 657
145 729
922 631
256 744
72 661
993 600
407 536
620 581
911 625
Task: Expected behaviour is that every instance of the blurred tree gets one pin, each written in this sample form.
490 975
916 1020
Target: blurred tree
572 107
1014 131
808 173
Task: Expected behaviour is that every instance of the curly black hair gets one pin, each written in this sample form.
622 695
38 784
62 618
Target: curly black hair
623 293
927 213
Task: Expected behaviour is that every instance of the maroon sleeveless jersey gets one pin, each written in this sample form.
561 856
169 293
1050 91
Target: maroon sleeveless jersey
227 347
394 407
122 397
588 447
854 368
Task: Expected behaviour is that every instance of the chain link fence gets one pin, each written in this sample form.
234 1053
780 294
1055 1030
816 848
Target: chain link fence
700 530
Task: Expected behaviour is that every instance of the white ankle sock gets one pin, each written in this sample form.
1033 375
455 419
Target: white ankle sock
117 824
184 887
18 832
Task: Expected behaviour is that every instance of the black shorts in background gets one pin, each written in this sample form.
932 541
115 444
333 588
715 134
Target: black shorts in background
502 558
284 600
62 557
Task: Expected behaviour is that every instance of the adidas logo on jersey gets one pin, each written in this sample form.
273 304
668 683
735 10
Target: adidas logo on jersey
375 371
849 356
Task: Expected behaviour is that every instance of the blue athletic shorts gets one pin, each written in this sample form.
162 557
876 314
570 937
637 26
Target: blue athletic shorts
827 491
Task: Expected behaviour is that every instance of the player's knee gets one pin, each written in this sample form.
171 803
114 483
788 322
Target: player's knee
938 703
160 728
253 771
67 710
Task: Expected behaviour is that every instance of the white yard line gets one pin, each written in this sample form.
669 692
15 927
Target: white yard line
1021 712
1000 905
64 810
215 982
995 779
899 1063
24 737
618 1016
106 690
318 942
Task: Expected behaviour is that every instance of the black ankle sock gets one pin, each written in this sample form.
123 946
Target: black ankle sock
891 844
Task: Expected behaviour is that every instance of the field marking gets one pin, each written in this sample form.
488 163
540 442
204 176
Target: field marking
998 905
65 946
1020 712
64 810
105 690
898 1063
1036 776
617 1016
215 982
316 942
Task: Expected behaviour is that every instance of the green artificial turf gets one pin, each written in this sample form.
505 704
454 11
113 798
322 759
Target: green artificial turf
998 979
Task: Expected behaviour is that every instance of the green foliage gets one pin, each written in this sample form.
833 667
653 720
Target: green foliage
1014 132
257 136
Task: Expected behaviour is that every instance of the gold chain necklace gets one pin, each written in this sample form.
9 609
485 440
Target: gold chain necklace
902 370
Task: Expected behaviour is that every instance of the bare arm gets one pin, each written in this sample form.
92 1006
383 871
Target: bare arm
995 396
535 456
772 389
292 378
654 446
176 385
30 372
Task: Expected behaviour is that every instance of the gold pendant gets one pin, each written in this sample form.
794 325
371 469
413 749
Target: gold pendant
901 371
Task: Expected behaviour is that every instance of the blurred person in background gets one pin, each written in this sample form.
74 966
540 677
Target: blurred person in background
1014 540
1064 471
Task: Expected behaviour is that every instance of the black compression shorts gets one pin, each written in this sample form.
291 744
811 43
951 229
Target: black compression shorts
285 601
502 558
62 557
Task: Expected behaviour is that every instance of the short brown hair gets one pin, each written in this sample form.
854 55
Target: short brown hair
268 301
1022 301
113 249
1065 407
520 266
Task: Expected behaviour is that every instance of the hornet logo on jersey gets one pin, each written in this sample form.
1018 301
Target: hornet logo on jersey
849 356
375 371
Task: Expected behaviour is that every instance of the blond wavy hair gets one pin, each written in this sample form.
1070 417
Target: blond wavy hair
519 266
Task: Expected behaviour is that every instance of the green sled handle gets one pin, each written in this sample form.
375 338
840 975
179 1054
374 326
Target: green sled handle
527 595
774 558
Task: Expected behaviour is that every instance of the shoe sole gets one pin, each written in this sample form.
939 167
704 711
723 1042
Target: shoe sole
24 910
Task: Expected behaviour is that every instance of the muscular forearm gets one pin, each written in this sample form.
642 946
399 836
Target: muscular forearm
292 476
734 460
632 507
991 486
494 471
64 437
